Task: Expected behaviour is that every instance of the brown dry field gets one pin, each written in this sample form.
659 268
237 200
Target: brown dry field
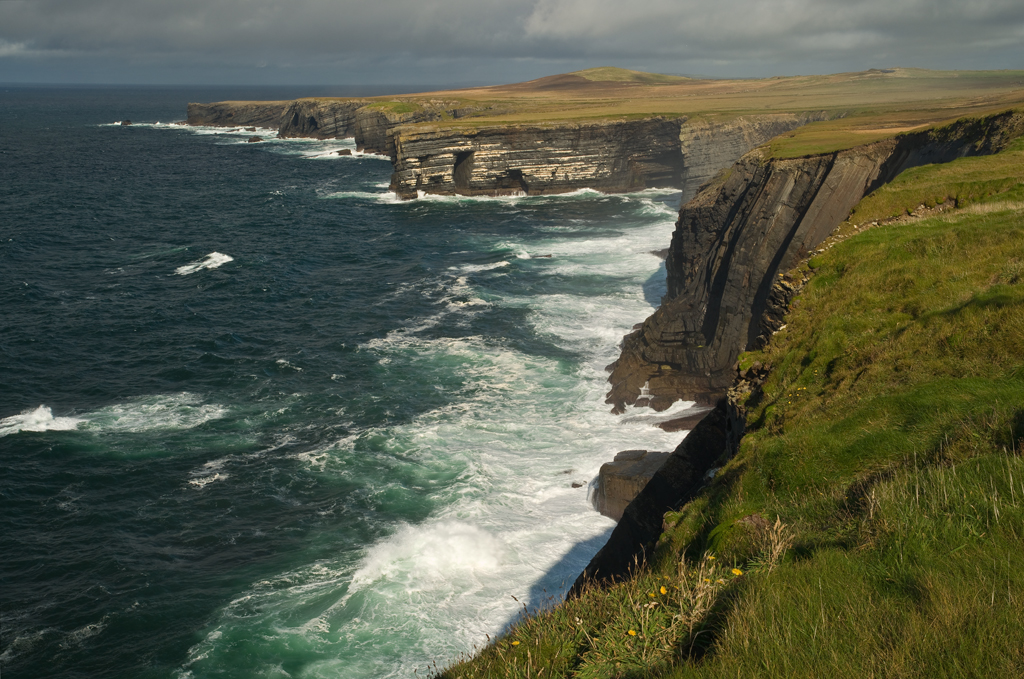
867 105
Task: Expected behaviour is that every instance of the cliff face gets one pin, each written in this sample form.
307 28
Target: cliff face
360 119
607 156
709 147
735 238
614 156
237 113
319 118
610 156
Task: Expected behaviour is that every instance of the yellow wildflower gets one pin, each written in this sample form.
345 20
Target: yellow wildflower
663 590
632 633
651 594
737 571
515 643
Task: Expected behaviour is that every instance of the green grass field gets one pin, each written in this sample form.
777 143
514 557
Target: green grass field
872 523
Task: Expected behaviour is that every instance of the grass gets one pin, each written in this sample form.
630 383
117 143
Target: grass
395 106
612 74
876 505
963 182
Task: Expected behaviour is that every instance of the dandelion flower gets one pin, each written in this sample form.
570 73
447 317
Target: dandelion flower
711 556
720 581
651 594
515 643
663 590
632 632
737 571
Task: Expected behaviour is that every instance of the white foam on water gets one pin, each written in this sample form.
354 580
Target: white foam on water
475 268
517 197
183 410
386 198
210 261
209 473
76 637
498 462
39 419
167 411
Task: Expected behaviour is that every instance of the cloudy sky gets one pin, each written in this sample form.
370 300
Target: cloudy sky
463 42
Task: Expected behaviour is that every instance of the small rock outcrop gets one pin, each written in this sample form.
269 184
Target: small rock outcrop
680 477
622 480
125 123
254 139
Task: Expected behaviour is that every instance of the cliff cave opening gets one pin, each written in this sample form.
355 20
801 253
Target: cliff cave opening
513 181
463 169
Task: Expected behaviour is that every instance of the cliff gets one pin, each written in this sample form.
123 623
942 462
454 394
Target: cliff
875 486
739 234
237 113
366 121
709 146
509 159
609 156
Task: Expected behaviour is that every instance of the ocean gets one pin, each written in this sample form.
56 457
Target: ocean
258 418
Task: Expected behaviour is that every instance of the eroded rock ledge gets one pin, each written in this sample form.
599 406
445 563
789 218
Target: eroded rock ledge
739 234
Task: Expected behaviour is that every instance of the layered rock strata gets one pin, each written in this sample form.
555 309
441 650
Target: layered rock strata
736 238
609 156
532 160
367 121
237 113
710 146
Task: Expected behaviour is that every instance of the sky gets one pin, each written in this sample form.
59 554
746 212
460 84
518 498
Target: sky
481 42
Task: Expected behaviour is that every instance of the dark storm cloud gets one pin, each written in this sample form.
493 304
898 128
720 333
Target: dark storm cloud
469 37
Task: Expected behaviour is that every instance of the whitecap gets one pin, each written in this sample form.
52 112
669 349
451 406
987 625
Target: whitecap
420 557
40 419
166 411
475 268
210 261
208 473
386 198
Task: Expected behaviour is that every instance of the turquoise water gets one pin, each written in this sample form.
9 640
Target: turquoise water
261 419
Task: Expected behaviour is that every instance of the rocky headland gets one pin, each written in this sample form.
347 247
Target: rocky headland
729 289
735 240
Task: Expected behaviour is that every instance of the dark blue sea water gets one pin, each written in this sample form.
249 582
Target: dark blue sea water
259 418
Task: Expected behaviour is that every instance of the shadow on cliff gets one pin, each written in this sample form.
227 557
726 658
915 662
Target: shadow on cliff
656 286
550 589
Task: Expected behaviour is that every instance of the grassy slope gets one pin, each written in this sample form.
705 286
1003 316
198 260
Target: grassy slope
888 442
